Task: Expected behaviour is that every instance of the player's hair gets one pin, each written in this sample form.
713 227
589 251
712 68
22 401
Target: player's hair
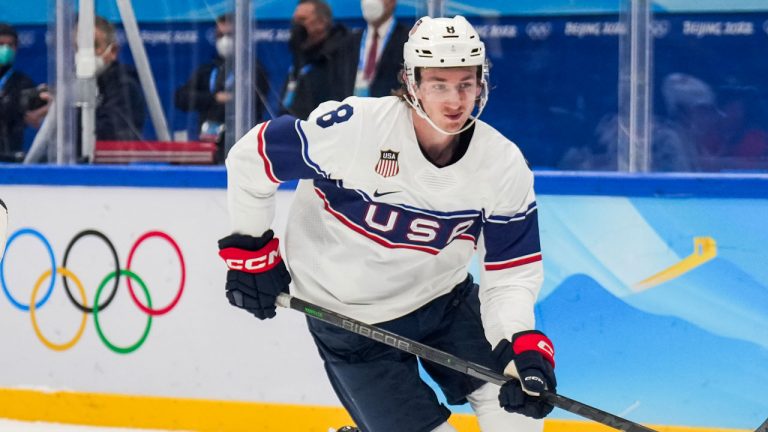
8 30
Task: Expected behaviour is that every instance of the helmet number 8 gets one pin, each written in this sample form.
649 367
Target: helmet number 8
339 115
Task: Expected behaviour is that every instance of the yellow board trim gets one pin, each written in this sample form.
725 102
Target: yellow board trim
704 249
151 412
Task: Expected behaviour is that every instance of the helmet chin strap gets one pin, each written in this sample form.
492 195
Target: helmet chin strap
414 103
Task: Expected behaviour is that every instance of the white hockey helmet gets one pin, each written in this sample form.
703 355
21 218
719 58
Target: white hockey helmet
439 43
443 42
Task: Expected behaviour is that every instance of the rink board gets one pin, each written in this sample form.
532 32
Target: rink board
607 302
217 416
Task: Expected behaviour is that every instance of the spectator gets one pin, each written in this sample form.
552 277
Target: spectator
21 102
668 152
209 89
380 46
120 104
743 126
323 66
677 141
693 117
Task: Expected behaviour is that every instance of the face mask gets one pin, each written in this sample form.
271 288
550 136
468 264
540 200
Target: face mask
298 37
373 10
101 65
225 46
6 55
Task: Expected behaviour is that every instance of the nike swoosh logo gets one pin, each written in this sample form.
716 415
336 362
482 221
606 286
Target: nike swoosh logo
377 194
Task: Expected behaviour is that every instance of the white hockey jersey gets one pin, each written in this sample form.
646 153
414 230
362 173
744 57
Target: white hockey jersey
376 230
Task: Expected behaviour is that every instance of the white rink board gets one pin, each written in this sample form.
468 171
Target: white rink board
202 348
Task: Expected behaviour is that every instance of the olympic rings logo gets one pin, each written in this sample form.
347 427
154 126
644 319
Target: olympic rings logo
82 304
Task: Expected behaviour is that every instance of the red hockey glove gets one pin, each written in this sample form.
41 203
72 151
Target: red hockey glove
256 273
530 358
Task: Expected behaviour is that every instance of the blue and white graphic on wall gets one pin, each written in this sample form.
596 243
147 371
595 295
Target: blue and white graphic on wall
655 303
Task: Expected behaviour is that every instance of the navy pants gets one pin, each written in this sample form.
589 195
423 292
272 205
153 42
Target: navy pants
380 386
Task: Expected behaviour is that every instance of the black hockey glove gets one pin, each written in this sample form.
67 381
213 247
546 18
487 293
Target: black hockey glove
256 273
530 358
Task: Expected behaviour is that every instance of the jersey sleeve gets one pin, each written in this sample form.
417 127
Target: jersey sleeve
512 271
286 149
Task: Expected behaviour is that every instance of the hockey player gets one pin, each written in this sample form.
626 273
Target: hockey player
396 195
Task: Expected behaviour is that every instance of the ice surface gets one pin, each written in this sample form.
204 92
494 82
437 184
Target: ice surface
20 426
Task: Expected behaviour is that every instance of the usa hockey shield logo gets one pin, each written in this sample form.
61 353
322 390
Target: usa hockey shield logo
387 165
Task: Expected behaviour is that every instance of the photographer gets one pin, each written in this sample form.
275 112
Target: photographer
21 101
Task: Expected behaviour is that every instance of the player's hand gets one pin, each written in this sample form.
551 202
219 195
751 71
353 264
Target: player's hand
531 359
256 273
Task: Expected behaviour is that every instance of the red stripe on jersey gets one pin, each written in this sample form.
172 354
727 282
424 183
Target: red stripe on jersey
380 240
514 263
467 237
263 153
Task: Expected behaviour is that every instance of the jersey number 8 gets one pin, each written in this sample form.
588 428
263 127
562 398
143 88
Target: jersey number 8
339 115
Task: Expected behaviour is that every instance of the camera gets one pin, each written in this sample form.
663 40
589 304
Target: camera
29 99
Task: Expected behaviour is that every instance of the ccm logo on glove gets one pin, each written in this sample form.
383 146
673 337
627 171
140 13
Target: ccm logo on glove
248 261
256 274
534 341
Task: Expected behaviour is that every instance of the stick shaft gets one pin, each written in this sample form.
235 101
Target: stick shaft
763 427
450 361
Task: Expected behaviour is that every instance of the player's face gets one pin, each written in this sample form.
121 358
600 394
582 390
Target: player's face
448 95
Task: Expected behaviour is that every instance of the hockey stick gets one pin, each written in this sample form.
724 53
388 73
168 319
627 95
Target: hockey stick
763 427
450 361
